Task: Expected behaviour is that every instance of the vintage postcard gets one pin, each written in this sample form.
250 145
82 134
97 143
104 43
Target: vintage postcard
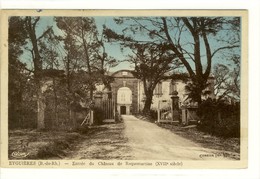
161 89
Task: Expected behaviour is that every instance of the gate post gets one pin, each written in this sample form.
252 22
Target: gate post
97 103
98 99
175 106
91 118
158 112
184 118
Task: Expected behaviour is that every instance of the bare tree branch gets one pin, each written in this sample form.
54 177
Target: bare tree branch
44 33
222 48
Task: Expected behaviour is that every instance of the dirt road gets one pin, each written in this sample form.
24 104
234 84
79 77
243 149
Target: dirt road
135 139
148 141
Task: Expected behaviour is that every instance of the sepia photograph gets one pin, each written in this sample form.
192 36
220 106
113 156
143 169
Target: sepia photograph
125 89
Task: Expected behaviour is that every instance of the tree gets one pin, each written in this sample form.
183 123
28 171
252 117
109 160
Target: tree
85 58
17 76
35 44
54 73
153 63
227 82
82 37
104 62
196 41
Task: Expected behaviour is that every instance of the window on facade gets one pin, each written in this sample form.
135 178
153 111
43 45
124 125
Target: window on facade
158 89
173 87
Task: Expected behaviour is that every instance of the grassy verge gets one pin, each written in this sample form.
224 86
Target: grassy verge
108 142
42 145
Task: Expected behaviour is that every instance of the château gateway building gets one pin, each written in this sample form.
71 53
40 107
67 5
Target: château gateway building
128 92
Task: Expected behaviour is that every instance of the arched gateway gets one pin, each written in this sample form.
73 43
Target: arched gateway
125 92
124 100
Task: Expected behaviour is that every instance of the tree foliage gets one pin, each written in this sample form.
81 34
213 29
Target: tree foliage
84 45
227 82
196 41
54 68
153 63
17 38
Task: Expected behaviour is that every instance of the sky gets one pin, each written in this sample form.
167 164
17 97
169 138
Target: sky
114 48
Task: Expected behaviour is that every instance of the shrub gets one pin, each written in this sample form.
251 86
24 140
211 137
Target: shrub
219 118
153 116
53 150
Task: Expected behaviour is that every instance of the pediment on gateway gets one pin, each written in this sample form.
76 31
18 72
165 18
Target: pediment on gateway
123 74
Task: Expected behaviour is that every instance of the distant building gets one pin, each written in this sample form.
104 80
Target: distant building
128 92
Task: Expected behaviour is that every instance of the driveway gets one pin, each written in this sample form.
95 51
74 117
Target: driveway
135 139
151 142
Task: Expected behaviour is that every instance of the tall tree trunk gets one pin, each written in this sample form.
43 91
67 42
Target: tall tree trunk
55 103
148 102
199 100
41 108
30 26
91 93
68 80
73 113
86 51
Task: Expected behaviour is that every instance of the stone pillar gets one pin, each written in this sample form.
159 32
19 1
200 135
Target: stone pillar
98 99
91 112
96 104
184 119
91 120
175 106
158 112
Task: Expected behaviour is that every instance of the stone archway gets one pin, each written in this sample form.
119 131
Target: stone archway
125 78
124 100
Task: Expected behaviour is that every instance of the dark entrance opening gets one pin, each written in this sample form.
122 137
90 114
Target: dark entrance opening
122 109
